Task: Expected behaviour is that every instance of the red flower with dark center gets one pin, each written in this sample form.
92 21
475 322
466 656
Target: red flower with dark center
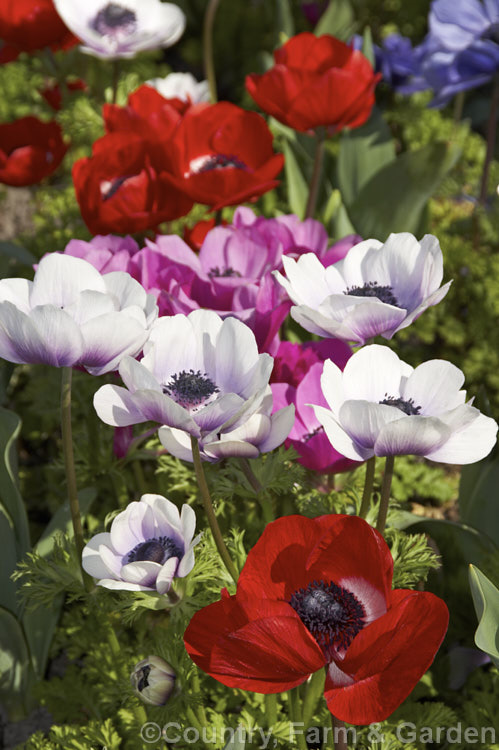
29 151
147 113
317 593
316 81
29 25
119 190
221 155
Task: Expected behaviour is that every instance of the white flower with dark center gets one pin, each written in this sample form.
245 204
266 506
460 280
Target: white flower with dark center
181 86
377 289
120 28
381 406
72 315
150 544
200 375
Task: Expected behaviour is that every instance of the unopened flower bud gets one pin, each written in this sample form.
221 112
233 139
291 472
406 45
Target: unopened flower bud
153 679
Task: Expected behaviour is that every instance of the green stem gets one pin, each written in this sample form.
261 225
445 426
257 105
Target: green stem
209 64
116 79
385 494
339 734
295 716
491 140
194 720
271 709
210 513
458 107
140 479
196 687
316 173
69 464
368 487
315 690
262 497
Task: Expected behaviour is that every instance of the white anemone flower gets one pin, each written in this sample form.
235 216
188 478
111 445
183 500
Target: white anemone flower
150 544
112 30
377 289
181 86
201 375
381 406
72 315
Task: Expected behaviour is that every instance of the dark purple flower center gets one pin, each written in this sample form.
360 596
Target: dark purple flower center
405 405
373 289
190 388
110 187
157 550
222 274
312 434
142 681
492 33
216 161
114 19
332 614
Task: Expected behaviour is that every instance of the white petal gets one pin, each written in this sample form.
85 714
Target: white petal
307 279
186 564
372 373
315 322
188 523
227 448
158 407
91 559
125 535
215 414
59 280
116 406
470 444
171 348
16 291
127 291
435 387
108 583
143 572
108 339
332 385
412 436
430 301
166 575
236 356
136 377
338 438
176 442
364 420
281 423
352 268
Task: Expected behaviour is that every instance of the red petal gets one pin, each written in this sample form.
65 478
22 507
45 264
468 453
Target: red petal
257 645
388 657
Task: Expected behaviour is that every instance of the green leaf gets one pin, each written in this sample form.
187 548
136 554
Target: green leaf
237 742
285 23
486 601
8 562
478 497
367 45
338 20
363 152
16 253
61 521
395 197
10 497
297 185
14 657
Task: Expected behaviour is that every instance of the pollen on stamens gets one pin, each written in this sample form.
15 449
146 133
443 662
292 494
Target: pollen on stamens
373 289
331 613
190 389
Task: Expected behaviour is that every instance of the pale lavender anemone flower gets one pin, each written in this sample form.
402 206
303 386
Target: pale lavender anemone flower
181 86
377 289
381 406
150 544
112 30
203 376
105 252
71 315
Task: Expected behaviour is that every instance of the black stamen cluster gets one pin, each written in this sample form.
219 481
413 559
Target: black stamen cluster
225 273
221 161
332 614
373 289
143 681
407 406
190 388
114 17
113 188
157 550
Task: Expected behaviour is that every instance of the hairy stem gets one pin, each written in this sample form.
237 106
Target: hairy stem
368 487
69 464
316 173
209 63
385 494
210 513
271 709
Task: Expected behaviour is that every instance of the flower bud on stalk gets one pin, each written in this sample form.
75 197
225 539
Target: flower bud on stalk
153 679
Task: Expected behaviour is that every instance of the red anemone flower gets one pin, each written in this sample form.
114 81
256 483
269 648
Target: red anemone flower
53 95
221 155
119 190
29 25
317 593
147 113
29 151
316 81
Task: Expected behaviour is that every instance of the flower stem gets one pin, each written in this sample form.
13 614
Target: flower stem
196 686
116 80
368 487
339 734
69 463
315 690
209 64
491 140
271 709
294 709
210 513
385 494
262 497
316 173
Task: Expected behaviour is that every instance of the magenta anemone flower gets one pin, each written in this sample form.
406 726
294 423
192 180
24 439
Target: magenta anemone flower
150 544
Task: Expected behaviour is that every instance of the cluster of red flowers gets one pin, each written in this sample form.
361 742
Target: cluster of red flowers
29 25
161 155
